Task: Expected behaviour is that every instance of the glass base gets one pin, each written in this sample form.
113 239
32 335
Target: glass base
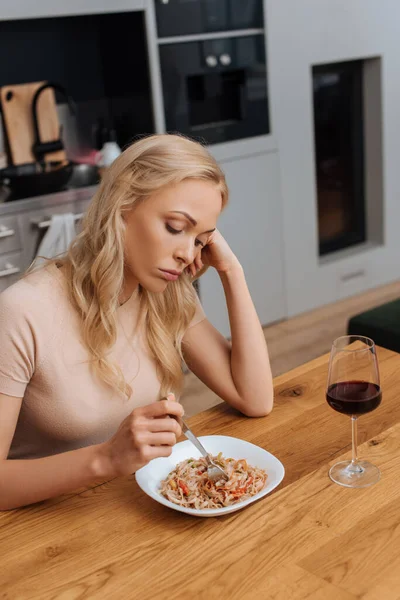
363 474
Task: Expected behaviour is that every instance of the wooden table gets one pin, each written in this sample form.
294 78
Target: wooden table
308 539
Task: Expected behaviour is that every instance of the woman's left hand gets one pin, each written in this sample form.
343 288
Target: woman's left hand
216 253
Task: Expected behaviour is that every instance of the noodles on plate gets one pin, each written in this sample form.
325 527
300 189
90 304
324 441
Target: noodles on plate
188 484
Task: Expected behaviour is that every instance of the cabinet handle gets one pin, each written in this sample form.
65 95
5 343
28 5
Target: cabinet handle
47 222
5 232
9 270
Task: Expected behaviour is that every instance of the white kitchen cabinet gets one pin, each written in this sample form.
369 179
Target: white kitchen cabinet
30 9
20 235
30 232
11 268
251 224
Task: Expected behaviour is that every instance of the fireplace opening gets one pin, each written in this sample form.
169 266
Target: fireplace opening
339 138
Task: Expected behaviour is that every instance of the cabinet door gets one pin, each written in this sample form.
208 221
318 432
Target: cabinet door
10 239
251 224
11 269
31 233
24 227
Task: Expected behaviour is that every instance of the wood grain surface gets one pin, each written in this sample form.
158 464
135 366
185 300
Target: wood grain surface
17 114
309 539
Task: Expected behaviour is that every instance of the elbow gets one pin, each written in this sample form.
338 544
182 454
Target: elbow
262 409
7 507
255 412
8 503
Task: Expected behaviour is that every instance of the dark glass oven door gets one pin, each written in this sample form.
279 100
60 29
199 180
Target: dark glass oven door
216 90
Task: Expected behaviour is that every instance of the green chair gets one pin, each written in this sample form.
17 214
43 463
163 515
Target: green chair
382 324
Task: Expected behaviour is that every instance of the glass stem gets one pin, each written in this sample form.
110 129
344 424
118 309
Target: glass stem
354 466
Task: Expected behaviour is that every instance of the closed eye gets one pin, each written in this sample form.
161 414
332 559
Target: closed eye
172 230
177 231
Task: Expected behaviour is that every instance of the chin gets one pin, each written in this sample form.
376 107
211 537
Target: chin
154 286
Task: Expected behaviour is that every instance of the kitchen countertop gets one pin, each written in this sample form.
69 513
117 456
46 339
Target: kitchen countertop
40 202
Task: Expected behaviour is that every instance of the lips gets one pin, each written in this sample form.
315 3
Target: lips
170 275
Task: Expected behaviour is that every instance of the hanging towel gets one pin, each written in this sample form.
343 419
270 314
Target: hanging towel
57 238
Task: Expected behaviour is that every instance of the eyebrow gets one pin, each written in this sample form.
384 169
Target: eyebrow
190 218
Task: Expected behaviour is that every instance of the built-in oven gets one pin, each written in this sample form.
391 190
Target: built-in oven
213 68
216 89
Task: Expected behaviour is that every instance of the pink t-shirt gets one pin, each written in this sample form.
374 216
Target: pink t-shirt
42 360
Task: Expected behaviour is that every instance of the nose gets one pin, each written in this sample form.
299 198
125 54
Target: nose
185 253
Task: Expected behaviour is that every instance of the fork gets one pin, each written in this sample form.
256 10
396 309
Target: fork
214 471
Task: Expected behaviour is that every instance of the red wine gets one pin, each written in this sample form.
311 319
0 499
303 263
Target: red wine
354 397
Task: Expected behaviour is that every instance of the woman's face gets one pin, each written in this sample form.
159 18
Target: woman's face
165 232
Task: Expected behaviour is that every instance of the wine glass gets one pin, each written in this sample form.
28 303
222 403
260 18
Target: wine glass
353 389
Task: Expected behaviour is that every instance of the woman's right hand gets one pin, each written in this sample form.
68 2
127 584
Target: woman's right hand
147 433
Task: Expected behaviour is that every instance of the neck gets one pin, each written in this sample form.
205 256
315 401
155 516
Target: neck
129 286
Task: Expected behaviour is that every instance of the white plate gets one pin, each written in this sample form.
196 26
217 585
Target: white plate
150 476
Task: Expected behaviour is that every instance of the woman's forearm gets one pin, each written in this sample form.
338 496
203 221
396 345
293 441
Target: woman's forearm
24 482
250 366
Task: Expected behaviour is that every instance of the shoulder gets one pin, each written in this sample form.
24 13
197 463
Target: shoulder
28 312
32 296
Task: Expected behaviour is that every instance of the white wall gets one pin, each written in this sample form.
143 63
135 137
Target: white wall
302 33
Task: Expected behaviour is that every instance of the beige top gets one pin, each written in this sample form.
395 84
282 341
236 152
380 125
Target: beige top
42 360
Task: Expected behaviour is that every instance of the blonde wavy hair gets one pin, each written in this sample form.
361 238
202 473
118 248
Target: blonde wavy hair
94 263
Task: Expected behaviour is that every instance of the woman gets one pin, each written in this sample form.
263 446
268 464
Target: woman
91 342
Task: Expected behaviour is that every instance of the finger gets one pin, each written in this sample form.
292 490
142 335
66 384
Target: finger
157 452
163 408
164 424
171 396
163 438
198 262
